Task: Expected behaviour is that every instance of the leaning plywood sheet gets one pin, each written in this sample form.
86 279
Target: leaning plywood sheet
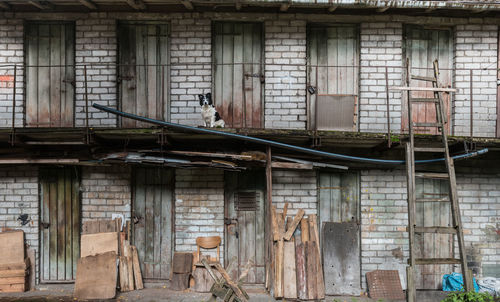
93 244
96 277
341 258
11 247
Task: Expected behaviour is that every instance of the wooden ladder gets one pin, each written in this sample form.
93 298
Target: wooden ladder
449 175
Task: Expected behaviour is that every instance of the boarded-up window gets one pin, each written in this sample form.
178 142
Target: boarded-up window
143 79
50 75
432 245
422 47
332 60
238 73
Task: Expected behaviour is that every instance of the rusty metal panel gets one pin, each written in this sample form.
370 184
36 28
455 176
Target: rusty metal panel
238 73
60 224
385 284
422 47
432 245
335 112
153 200
341 261
50 75
333 65
144 71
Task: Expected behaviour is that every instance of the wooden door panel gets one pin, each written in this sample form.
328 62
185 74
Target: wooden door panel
423 47
143 78
338 197
244 237
153 189
60 233
238 66
50 74
333 59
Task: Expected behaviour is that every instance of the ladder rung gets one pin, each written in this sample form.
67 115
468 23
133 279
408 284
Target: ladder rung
444 199
436 230
428 125
428 149
432 175
437 261
424 100
423 78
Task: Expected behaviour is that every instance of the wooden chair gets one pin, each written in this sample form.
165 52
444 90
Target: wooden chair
209 242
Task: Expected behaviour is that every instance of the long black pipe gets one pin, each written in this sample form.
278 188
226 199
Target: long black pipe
274 143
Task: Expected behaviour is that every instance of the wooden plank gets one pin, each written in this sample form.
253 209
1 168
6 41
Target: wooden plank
12 273
75 216
437 230
300 258
12 247
124 275
32 74
15 266
137 269
12 288
311 270
274 223
128 254
157 221
53 234
68 93
55 85
287 165
180 281
278 273
43 76
45 233
68 226
415 88
183 262
99 243
237 290
304 228
96 277
294 224
13 280
31 255
431 261
289 271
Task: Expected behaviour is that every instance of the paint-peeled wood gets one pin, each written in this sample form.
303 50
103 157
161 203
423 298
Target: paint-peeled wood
124 270
137 269
289 271
311 270
294 224
300 263
278 273
304 228
96 277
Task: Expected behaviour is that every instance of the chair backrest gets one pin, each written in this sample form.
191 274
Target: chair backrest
209 242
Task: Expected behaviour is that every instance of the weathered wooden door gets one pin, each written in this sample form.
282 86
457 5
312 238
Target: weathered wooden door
332 67
144 71
50 74
238 74
422 47
339 219
433 245
244 230
59 224
153 191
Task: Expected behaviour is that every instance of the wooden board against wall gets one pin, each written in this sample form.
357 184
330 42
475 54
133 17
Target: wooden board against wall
144 72
238 67
423 46
50 74
153 195
333 65
60 223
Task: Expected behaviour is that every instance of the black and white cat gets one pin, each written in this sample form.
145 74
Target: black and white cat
209 115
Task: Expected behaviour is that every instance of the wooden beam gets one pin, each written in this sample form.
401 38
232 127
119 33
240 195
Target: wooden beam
43 5
208 154
136 4
383 9
89 4
284 7
332 8
187 4
4 5
424 89
39 161
285 165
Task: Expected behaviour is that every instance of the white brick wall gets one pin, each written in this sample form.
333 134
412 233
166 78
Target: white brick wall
96 47
476 48
285 72
199 207
298 188
191 73
11 52
105 190
381 45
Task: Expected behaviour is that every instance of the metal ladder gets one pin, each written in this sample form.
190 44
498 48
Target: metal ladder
449 175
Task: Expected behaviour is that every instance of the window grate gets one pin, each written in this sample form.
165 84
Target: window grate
246 201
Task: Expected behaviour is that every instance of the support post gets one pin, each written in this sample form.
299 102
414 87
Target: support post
388 111
87 139
471 106
14 86
269 239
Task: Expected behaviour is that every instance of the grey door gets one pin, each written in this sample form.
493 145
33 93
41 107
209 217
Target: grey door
244 230
332 67
50 75
238 72
422 47
152 209
60 224
432 245
143 73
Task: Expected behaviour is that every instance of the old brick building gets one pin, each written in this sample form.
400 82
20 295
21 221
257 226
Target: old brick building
271 66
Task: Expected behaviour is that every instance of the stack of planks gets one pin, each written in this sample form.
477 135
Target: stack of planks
298 272
102 243
14 267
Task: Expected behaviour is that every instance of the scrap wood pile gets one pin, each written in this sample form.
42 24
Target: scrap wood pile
103 243
298 272
14 266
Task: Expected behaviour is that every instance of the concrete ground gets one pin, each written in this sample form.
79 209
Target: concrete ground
53 293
